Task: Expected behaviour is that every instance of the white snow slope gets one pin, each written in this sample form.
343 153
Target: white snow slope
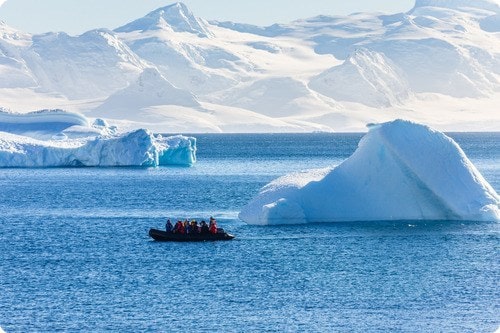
438 63
400 171
54 138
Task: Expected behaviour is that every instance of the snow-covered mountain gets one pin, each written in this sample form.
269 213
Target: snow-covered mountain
438 63
176 17
490 5
94 64
150 89
382 82
13 69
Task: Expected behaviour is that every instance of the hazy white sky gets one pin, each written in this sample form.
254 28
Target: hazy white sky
78 16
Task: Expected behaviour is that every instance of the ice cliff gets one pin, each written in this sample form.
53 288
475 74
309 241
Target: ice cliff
55 138
400 171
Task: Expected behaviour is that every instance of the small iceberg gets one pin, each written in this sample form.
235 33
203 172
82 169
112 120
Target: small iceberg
400 171
55 138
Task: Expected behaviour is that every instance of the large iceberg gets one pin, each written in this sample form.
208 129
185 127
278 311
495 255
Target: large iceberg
400 171
55 138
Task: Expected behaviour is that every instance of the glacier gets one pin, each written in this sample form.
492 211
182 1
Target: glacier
56 138
401 170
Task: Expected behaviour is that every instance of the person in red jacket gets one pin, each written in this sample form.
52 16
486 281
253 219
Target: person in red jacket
182 229
178 228
212 226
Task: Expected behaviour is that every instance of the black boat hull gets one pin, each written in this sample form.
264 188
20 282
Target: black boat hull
163 236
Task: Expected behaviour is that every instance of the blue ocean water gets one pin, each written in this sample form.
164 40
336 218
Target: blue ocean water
75 254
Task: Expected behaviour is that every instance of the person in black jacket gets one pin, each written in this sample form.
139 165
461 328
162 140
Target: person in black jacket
204 227
169 227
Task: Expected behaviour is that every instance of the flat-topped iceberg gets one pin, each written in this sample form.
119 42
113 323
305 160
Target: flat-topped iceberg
400 171
55 138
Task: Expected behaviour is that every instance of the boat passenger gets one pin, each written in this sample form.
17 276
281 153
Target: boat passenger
194 227
182 230
178 227
204 227
169 227
213 226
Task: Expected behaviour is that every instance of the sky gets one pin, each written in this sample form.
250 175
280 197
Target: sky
78 16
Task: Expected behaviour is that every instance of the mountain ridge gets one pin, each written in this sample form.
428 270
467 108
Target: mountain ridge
328 72
491 5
